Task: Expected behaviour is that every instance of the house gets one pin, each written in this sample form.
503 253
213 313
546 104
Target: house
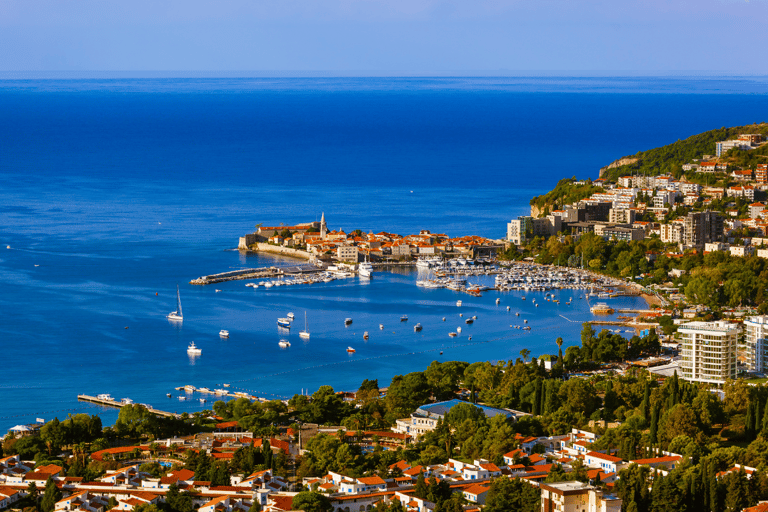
668 462
576 496
476 493
606 462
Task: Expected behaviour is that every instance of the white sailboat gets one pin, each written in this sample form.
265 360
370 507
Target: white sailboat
305 333
176 315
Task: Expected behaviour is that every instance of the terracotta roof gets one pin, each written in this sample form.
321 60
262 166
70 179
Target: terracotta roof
604 456
371 480
477 489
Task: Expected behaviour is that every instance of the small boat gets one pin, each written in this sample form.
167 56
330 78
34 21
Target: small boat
523 297
404 318
284 322
350 350
458 303
224 333
202 400
537 305
290 315
169 395
470 338
498 301
458 330
517 314
365 335
193 350
225 385
474 317
417 328
176 315
182 398
469 320
452 334
284 343
527 328
217 291
305 333
381 326
443 319
525 321
347 321
508 308
441 352
461 314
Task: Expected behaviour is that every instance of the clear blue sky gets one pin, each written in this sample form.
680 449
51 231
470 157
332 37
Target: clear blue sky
386 36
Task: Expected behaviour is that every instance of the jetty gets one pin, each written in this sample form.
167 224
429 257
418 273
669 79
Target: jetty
111 402
255 273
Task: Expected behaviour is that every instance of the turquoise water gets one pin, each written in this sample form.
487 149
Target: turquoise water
114 191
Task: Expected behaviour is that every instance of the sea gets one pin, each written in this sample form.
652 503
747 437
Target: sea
114 191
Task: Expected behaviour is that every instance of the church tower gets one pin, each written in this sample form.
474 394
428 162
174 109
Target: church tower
323 227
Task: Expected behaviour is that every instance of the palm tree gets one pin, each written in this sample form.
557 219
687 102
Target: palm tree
559 342
525 353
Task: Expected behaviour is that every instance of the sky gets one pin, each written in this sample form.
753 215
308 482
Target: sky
408 37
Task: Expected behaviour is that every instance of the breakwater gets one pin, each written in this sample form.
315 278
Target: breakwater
110 402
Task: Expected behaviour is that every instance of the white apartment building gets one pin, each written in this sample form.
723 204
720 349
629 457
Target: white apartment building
709 351
576 496
672 232
756 342
621 216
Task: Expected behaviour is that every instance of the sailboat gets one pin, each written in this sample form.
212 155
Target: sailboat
176 315
305 333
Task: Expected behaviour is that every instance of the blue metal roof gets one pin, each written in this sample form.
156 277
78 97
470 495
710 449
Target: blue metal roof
439 409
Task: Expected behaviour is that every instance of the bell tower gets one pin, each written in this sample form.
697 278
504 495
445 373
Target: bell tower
323 227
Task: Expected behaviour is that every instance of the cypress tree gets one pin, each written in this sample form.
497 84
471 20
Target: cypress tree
543 401
536 398
654 424
675 389
421 489
646 400
764 425
51 495
749 422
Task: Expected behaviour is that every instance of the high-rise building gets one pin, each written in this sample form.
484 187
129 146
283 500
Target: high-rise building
702 227
709 351
756 343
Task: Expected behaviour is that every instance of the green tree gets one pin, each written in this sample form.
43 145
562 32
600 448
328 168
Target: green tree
51 495
310 501
506 495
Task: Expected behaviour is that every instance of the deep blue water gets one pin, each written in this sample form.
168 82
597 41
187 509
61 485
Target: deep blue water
119 189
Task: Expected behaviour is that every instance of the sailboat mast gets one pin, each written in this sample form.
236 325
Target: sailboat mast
178 300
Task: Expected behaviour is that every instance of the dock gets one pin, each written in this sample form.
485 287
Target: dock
120 405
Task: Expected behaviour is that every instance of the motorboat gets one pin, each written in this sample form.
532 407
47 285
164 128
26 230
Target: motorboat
284 343
404 318
169 395
350 350
284 322
225 385
224 333
381 326
290 315
347 321
365 335
458 303
417 328
182 398
176 315
458 330
452 334
469 320
193 350
498 301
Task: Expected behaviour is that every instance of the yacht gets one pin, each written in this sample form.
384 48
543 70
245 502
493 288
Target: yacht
284 343
284 322
193 350
350 350
291 316
601 308
305 333
365 269
176 315
224 333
